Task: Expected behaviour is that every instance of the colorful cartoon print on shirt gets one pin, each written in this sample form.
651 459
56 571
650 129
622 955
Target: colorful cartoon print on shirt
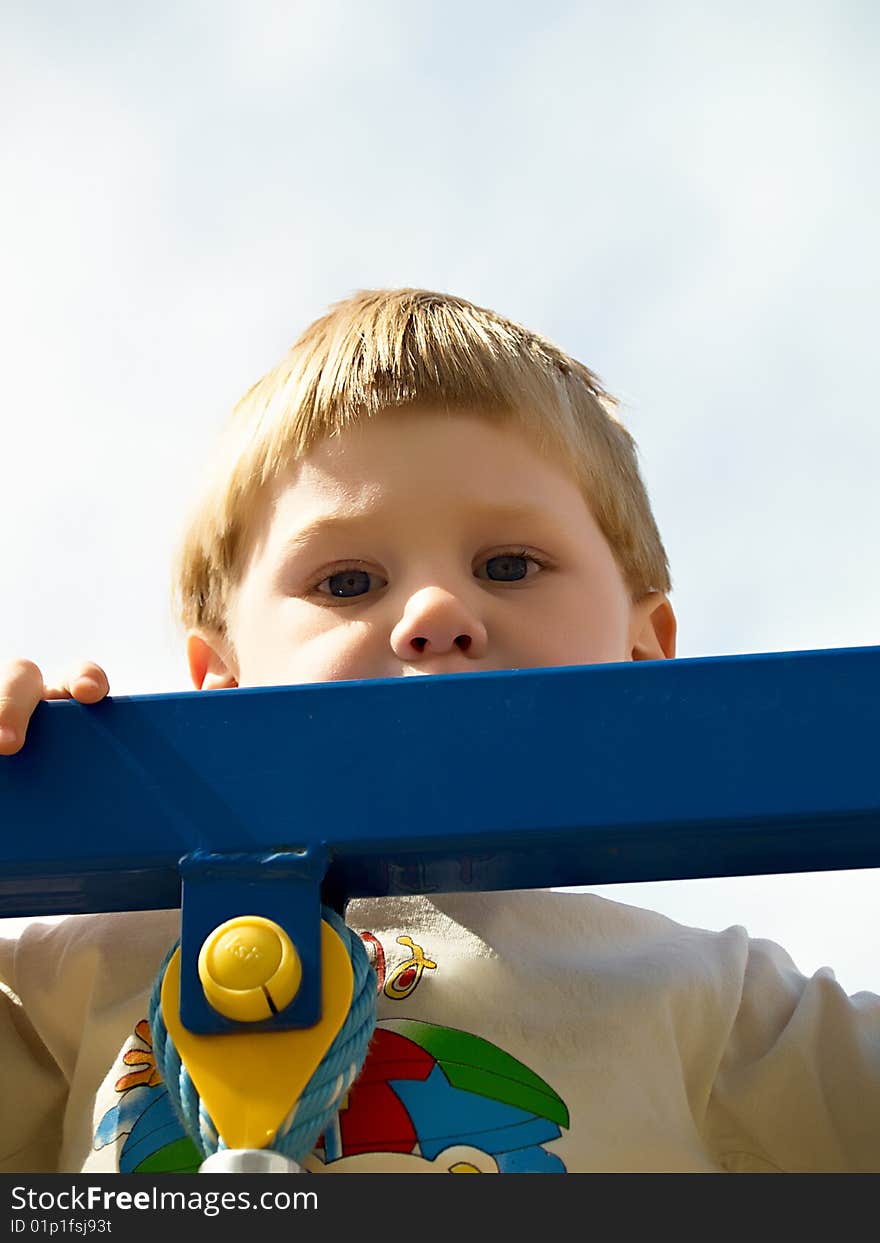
156 1142
405 977
429 1099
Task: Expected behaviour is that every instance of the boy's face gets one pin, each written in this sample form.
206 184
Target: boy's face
425 543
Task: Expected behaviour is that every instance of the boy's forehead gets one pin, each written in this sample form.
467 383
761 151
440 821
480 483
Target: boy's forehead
418 490
464 460
394 443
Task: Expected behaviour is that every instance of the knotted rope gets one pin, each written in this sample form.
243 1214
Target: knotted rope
319 1103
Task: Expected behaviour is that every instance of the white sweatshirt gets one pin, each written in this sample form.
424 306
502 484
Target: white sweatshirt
533 1031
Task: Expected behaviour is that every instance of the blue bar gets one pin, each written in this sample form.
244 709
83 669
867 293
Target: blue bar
593 774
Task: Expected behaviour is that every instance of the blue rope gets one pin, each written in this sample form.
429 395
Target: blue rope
325 1091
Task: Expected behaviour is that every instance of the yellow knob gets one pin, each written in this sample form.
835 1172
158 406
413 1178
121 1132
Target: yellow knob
249 968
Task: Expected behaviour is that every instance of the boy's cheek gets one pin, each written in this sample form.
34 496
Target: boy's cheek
324 656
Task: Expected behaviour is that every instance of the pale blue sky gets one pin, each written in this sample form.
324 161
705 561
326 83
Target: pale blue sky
684 196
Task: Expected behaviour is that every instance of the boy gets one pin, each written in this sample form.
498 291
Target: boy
422 487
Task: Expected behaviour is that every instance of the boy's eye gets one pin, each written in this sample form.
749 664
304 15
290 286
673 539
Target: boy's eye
348 584
508 567
351 582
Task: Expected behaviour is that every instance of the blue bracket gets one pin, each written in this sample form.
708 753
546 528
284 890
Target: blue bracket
283 886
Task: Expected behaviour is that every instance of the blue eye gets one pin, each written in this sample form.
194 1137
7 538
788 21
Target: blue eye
348 584
508 566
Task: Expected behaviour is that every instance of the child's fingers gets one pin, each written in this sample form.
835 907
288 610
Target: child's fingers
88 684
21 689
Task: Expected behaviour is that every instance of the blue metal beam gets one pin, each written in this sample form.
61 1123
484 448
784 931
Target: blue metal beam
539 777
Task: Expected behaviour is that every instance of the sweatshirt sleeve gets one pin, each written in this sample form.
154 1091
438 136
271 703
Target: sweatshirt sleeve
33 1088
798 1087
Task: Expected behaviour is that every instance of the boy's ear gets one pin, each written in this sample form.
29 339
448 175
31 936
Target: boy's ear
211 661
652 628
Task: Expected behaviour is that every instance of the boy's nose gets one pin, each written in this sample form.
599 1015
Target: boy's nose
436 623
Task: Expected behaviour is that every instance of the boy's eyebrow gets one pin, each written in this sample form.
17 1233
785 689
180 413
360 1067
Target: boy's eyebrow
341 521
327 524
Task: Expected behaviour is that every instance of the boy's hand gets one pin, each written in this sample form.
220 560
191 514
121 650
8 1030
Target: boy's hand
22 688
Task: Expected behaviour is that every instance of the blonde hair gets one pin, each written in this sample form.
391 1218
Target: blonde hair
395 348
